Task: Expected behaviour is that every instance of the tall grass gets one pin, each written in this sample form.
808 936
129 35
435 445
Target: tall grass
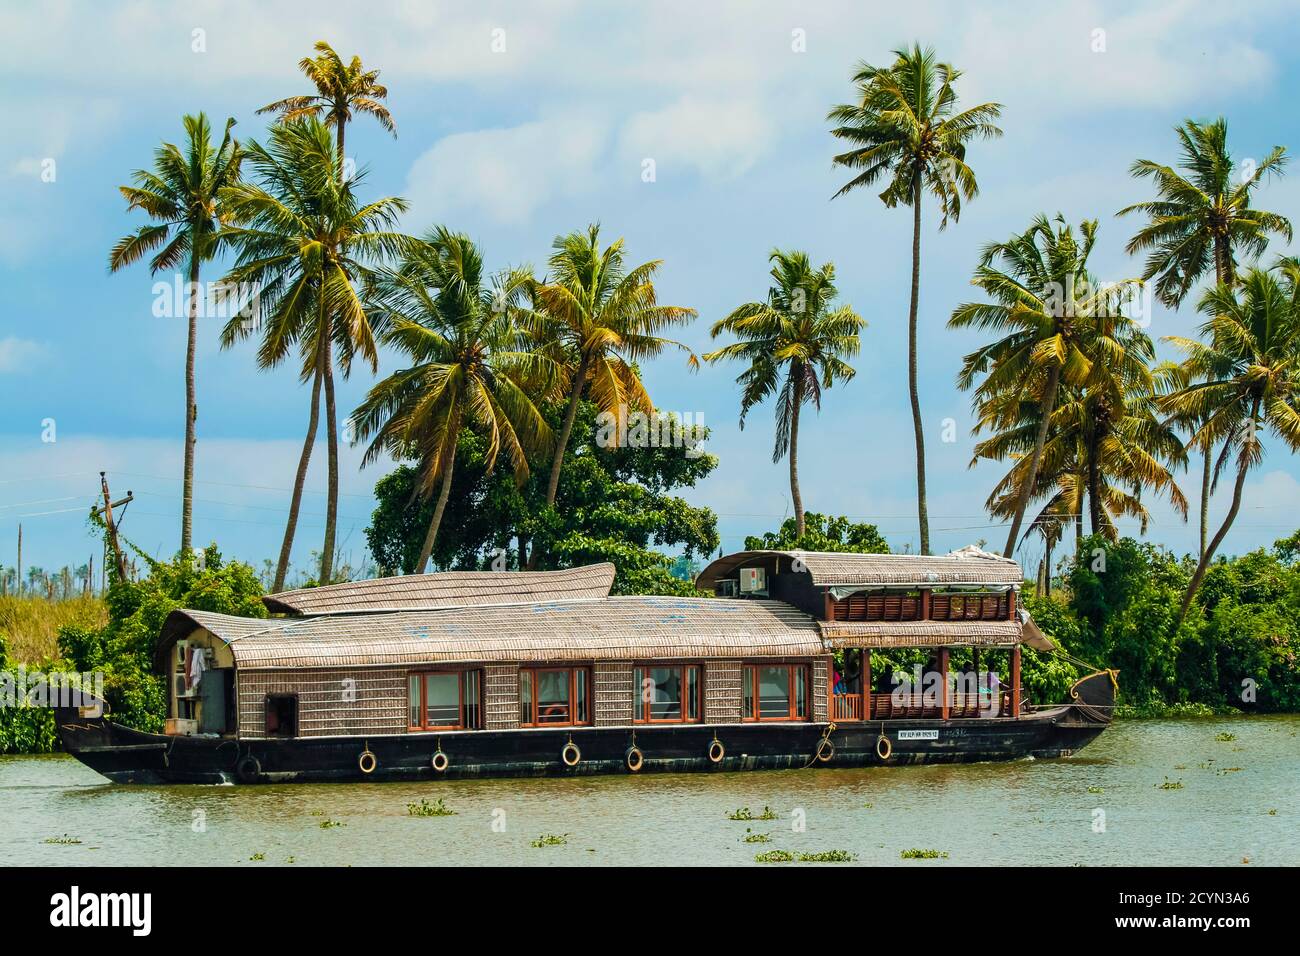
29 626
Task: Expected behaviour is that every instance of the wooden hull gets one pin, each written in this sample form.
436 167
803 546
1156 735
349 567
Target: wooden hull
129 756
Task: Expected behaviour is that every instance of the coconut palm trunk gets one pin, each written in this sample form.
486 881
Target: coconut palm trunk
300 480
1222 274
1047 571
1094 481
426 550
1206 473
922 510
796 499
332 435
557 463
570 414
191 414
1204 564
1026 490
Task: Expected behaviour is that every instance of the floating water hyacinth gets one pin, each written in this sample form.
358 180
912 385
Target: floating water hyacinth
918 854
424 808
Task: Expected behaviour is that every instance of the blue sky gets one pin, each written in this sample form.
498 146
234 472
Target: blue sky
517 145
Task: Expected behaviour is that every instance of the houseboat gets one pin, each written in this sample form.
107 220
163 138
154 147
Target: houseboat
518 673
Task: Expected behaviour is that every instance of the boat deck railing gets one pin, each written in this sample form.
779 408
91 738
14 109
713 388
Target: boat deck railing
888 706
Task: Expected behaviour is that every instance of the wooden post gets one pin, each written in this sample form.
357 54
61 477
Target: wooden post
943 675
109 505
1011 602
18 581
1015 681
925 604
866 683
830 689
112 531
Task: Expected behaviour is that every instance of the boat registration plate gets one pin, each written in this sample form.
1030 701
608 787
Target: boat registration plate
918 735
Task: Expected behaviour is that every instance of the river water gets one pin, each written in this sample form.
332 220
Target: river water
1116 803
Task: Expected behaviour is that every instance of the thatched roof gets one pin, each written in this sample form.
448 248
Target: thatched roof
966 566
615 628
446 589
886 634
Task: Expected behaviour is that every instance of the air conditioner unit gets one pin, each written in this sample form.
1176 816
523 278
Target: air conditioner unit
727 588
752 579
183 689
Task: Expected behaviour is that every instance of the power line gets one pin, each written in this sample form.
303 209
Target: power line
231 484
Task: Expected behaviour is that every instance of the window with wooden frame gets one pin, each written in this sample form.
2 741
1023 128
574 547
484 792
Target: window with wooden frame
877 606
776 692
554 696
667 694
445 700
971 606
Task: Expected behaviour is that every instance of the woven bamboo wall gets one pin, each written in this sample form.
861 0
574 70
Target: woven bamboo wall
820 675
374 703
723 694
501 696
612 684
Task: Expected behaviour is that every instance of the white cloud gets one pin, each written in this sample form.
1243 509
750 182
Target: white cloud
17 355
507 173
719 138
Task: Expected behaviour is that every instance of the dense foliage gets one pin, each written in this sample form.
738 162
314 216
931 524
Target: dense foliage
122 650
1239 647
613 504
821 533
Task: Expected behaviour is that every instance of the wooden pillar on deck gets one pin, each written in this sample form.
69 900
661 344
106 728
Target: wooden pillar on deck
943 675
1015 681
866 683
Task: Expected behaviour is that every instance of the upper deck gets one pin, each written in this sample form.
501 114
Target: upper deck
965 585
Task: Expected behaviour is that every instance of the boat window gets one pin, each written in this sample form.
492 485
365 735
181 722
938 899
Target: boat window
525 697
281 715
554 696
666 694
776 692
445 700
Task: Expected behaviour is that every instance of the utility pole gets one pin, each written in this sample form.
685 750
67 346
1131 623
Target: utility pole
107 510
19 579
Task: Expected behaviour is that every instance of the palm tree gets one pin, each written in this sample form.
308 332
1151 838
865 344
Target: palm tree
1046 308
1247 379
1111 465
603 318
304 240
904 128
1200 219
341 90
180 194
470 368
795 343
